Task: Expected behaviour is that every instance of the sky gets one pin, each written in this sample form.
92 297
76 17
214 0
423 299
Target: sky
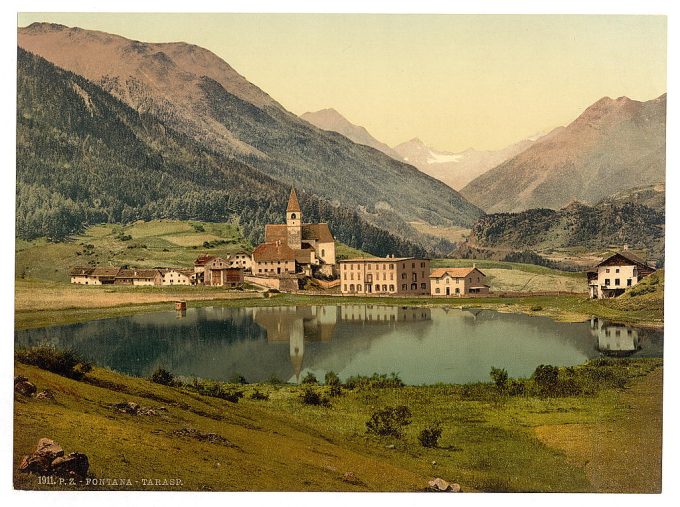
454 81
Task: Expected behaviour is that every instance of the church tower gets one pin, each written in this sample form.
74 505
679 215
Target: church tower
294 221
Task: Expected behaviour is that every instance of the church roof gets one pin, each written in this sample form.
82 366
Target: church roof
310 232
280 251
293 203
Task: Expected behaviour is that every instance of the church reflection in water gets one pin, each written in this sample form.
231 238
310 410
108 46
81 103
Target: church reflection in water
297 325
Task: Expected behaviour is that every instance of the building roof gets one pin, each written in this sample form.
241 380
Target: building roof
453 272
79 271
293 203
378 259
137 273
280 251
202 260
105 271
310 232
625 258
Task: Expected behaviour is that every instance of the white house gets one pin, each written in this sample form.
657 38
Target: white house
618 272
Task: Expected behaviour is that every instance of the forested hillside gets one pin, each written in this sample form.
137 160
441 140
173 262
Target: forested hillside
85 157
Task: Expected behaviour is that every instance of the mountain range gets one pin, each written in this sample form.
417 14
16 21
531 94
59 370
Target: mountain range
456 169
199 96
614 145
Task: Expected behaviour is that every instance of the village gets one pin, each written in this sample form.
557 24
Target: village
296 251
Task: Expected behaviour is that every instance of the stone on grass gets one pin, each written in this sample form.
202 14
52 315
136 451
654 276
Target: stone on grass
23 386
44 395
441 485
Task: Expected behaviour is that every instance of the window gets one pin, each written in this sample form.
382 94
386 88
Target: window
392 287
606 282
415 277
414 286
413 264
377 288
457 290
391 266
384 288
391 276
617 270
351 287
457 281
437 291
403 276
351 276
293 216
617 281
323 252
629 282
345 276
606 270
404 286
423 286
358 288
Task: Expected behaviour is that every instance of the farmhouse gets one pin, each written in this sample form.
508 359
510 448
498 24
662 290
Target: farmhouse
177 276
138 277
295 247
407 276
241 260
458 282
618 272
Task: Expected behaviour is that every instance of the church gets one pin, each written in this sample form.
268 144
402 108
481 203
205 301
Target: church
295 247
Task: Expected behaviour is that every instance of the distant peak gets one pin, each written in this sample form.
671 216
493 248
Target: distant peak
41 27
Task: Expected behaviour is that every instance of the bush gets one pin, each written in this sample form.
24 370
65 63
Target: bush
310 378
162 376
62 362
389 421
517 388
499 377
331 379
429 436
237 378
311 397
536 308
546 378
257 395
375 381
274 380
215 390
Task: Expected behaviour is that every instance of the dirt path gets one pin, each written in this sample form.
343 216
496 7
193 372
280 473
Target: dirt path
623 454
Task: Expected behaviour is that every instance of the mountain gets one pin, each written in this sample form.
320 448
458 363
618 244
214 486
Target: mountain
195 93
652 196
456 169
85 157
330 119
614 145
609 223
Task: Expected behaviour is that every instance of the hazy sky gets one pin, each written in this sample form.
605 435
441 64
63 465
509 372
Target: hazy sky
454 81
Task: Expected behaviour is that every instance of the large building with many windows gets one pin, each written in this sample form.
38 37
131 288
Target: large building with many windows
407 276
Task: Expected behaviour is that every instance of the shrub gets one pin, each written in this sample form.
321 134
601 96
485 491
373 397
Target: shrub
215 390
311 397
536 308
162 376
499 377
331 379
375 381
274 380
257 395
335 390
546 378
389 421
310 378
429 436
237 378
517 388
62 362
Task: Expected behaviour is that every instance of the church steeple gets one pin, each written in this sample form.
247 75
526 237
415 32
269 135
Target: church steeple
294 221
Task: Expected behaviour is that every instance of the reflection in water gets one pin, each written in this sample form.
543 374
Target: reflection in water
423 345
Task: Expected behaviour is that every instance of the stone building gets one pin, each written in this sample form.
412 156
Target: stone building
407 276
295 247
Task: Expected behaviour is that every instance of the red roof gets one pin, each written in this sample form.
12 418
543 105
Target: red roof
280 251
202 260
293 204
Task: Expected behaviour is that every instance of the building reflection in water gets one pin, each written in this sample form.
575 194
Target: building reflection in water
297 325
615 339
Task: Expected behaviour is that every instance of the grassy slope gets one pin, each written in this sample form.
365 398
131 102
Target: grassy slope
488 444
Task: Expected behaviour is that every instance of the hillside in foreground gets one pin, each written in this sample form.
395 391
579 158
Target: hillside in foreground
488 442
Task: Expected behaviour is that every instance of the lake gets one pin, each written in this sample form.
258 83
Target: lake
422 345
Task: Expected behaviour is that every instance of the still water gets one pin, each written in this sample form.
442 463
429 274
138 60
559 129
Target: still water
423 345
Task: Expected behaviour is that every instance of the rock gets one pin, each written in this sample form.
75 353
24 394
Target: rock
433 463
441 485
128 407
41 460
391 446
44 395
75 465
24 387
147 411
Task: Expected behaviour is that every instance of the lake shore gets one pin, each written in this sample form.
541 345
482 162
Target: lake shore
42 304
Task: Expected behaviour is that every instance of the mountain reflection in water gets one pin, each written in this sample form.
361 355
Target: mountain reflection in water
423 345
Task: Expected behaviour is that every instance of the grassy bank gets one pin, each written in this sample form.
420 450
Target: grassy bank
489 441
